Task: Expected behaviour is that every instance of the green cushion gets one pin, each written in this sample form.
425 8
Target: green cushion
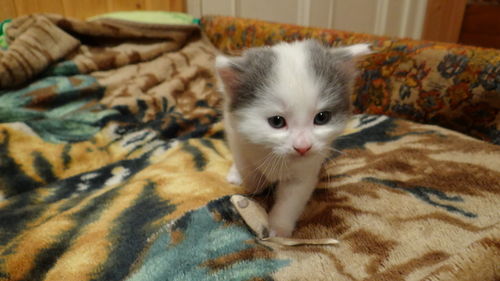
150 17
3 39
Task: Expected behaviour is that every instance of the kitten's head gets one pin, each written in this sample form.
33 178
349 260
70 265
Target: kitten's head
292 99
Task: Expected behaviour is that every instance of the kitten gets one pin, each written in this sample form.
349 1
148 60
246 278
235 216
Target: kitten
283 107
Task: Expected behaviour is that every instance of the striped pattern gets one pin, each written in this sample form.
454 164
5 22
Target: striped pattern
33 51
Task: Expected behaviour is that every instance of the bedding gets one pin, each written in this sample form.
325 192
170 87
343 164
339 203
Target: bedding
113 164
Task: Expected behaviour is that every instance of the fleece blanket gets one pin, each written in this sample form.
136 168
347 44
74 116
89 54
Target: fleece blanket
113 164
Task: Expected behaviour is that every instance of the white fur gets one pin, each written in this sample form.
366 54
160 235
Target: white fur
357 49
234 176
263 154
222 61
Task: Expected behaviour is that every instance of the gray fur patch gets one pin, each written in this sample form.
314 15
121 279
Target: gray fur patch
336 81
255 70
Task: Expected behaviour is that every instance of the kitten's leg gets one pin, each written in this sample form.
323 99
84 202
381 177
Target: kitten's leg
290 199
233 176
255 182
245 174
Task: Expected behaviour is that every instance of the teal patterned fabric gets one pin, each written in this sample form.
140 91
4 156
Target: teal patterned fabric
70 112
3 39
210 233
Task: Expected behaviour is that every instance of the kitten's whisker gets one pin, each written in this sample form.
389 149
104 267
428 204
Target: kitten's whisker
328 159
285 166
326 166
335 150
270 168
262 162
280 171
328 178
278 167
262 178
273 165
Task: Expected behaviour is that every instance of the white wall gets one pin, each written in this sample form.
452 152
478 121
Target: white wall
402 18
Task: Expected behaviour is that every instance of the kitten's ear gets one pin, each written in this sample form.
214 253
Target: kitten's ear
348 56
229 71
354 51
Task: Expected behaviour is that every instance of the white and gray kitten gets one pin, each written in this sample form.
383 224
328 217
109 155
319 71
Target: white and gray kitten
284 105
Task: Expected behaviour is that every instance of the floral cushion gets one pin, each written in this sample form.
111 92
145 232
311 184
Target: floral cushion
454 86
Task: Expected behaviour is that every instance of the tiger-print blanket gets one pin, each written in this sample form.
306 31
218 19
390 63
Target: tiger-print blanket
113 163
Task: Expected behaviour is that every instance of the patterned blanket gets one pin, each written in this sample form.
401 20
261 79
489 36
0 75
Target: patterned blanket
113 163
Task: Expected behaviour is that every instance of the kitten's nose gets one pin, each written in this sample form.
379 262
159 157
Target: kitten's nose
302 150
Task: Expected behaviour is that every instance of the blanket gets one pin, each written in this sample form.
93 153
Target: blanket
113 164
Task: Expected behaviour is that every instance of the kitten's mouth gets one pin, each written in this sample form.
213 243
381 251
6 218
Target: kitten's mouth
297 156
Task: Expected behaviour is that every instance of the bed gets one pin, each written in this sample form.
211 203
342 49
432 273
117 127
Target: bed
113 159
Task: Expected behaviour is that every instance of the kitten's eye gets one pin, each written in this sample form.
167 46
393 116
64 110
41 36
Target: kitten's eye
322 118
277 122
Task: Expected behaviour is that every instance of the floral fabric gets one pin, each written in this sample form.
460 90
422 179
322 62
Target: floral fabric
454 86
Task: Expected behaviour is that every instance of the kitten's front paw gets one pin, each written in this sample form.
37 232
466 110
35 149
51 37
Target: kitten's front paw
278 229
280 232
233 176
